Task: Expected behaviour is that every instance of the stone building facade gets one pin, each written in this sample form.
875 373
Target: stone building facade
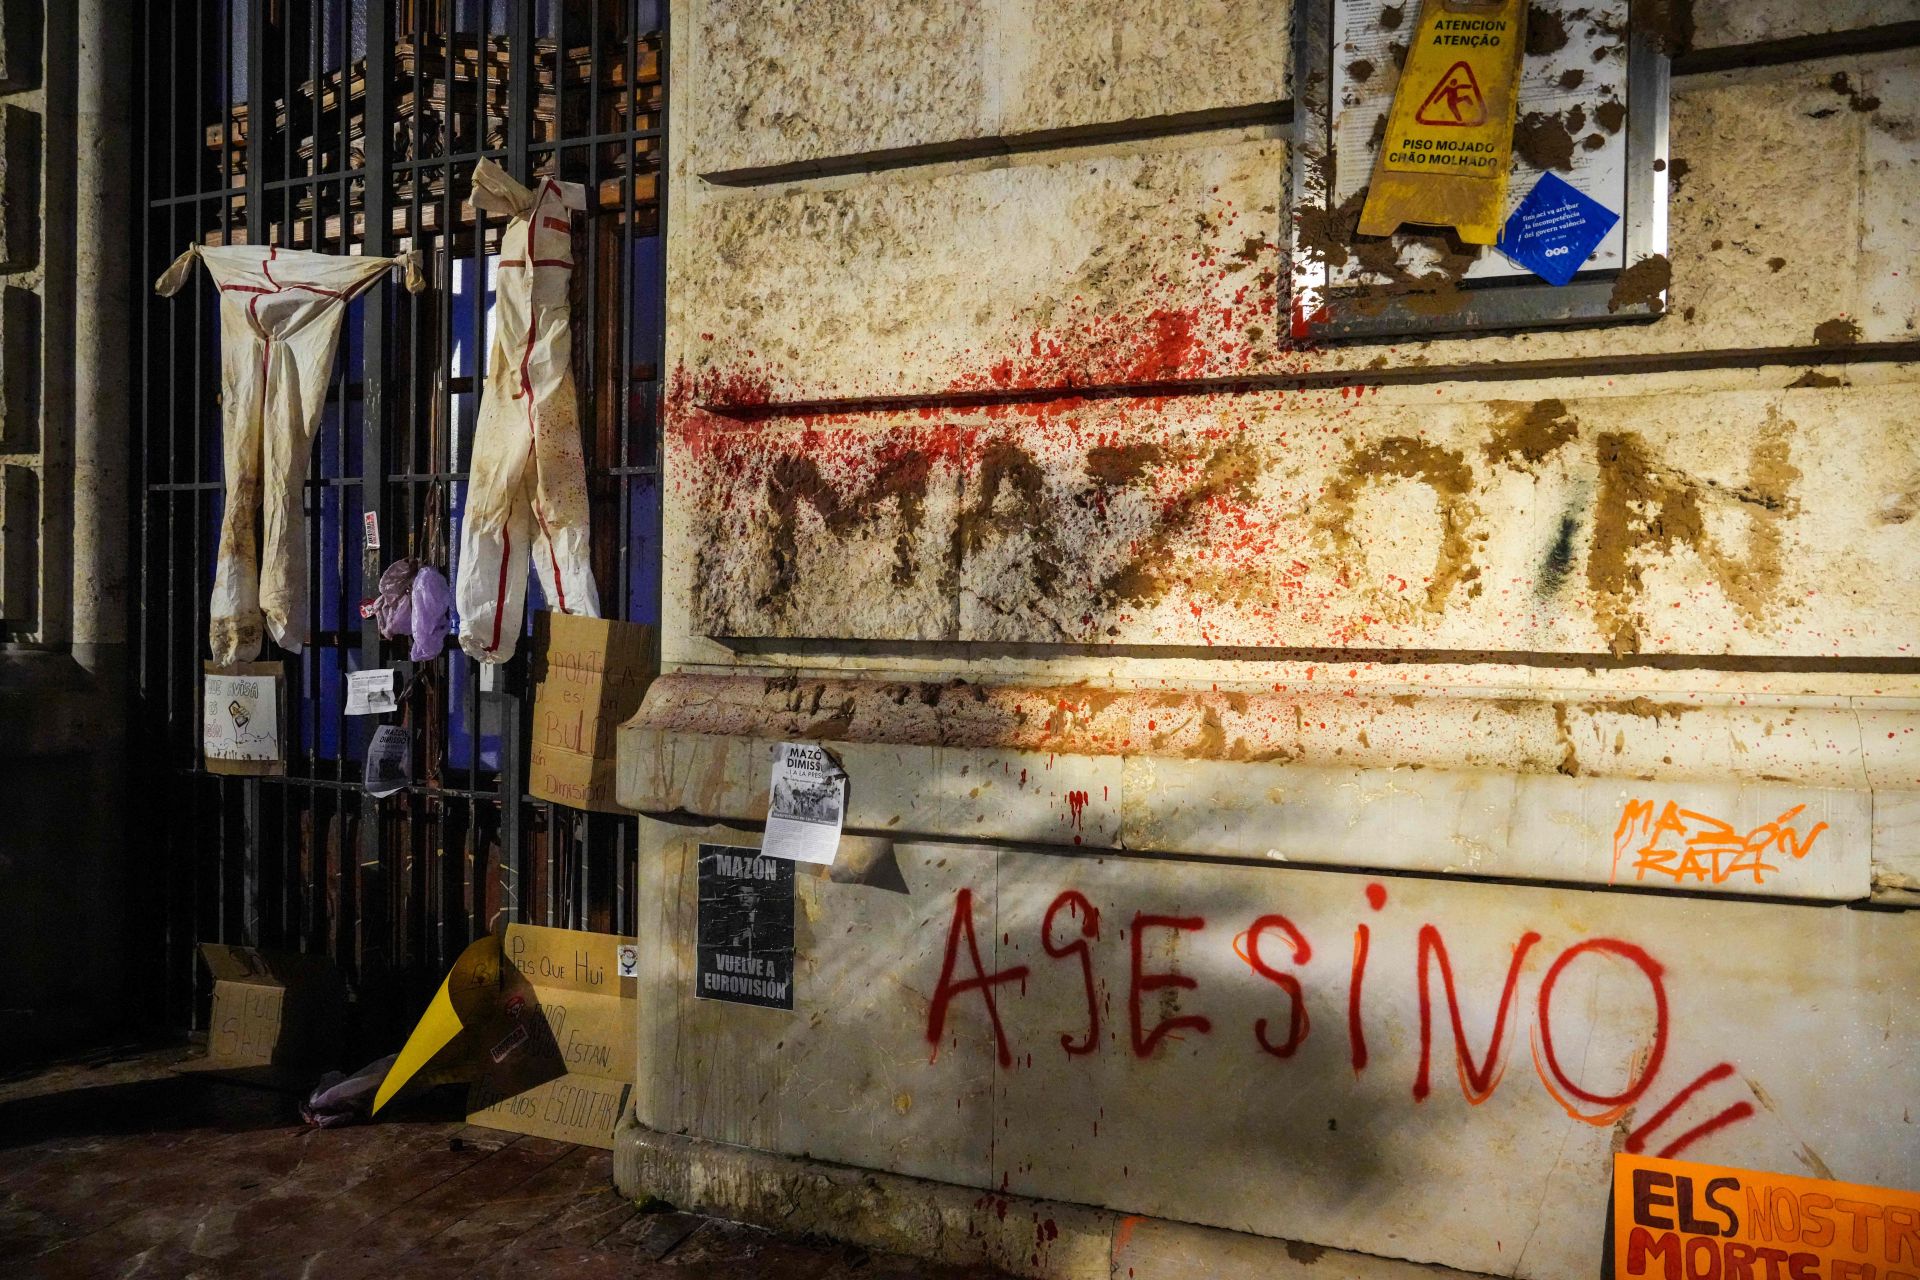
66 210
1310 803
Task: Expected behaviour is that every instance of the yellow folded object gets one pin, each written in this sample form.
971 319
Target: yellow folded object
465 998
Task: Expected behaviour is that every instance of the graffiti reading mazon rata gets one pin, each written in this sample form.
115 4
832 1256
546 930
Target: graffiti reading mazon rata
1071 927
1681 846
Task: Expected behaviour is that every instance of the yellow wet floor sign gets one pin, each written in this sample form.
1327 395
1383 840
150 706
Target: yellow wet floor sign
1449 138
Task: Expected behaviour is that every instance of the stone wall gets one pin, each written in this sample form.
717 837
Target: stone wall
997 459
65 939
1301 1077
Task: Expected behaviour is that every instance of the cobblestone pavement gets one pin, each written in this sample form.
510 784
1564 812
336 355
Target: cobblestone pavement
120 1167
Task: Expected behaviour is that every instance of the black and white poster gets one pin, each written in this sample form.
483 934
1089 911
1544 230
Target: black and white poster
389 760
806 803
745 951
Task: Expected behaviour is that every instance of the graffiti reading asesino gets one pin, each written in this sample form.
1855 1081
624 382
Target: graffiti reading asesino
1480 1074
1681 846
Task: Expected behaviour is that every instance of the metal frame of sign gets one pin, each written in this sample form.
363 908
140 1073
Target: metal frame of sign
1491 304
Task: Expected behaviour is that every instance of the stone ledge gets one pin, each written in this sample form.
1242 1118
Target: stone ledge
1044 1239
1824 742
1528 789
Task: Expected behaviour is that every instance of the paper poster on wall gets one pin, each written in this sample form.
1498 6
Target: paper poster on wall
806 803
1675 1217
240 718
745 939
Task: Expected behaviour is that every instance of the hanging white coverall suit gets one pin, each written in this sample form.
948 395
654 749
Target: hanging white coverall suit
280 314
527 490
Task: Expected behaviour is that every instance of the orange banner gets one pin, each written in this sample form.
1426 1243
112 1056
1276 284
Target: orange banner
1677 1220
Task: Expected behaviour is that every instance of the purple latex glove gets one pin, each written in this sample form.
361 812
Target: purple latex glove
394 608
432 613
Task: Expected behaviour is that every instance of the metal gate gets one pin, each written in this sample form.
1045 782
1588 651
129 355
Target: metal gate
353 126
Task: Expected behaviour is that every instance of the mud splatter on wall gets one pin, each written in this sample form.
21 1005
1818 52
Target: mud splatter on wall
1327 518
1446 473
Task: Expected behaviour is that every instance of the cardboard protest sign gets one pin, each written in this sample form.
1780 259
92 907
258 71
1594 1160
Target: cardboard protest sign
1449 136
559 1062
1675 1218
271 1009
242 709
539 1023
589 675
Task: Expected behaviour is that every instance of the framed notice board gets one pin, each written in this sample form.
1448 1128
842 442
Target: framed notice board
1591 111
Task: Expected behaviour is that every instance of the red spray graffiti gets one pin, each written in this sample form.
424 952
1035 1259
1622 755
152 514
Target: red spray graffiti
982 981
1083 910
1247 945
1480 1074
1477 1081
1143 1040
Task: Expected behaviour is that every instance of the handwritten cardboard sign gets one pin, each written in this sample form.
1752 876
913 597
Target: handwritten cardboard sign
242 710
1674 1219
270 1009
539 1023
589 675
557 1059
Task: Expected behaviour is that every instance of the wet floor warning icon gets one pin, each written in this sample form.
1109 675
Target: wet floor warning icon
1456 100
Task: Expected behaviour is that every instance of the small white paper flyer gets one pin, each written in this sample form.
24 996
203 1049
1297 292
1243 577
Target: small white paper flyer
371 693
808 803
240 718
389 760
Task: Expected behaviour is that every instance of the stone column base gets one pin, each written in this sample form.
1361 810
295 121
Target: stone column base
1044 1239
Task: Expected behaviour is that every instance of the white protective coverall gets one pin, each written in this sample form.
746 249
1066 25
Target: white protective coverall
280 314
527 490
